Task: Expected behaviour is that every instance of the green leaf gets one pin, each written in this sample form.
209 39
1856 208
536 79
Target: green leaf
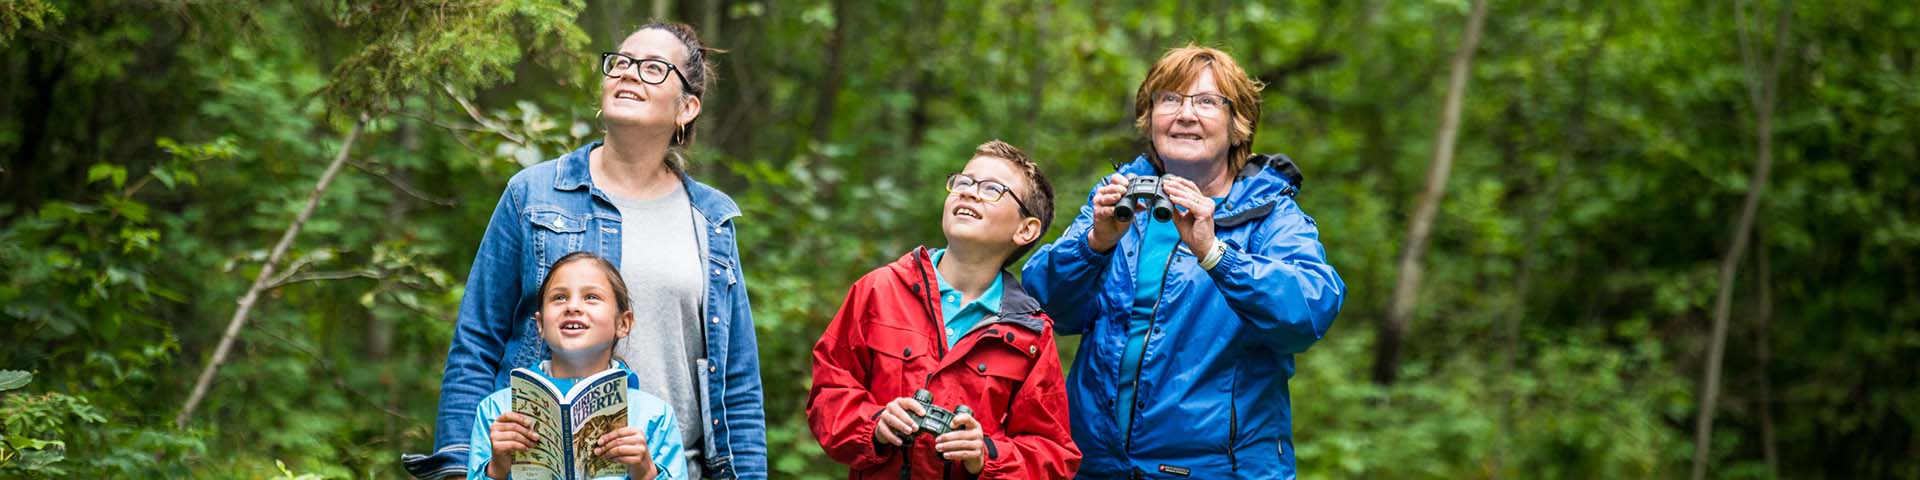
23 443
164 177
100 171
12 379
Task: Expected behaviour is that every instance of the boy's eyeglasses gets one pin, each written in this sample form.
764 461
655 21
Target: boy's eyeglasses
653 71
987 190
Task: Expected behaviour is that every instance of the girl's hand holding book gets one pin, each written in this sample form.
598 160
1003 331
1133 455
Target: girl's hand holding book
628 446
512 433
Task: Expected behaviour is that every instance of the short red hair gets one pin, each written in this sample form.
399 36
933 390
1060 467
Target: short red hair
1178 69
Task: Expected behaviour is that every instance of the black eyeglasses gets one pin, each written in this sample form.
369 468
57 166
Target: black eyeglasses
653 71
988 190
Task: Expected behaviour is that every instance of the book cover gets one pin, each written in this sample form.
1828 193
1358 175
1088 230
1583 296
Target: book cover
569 422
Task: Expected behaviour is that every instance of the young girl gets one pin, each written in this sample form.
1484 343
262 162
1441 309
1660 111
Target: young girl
584 309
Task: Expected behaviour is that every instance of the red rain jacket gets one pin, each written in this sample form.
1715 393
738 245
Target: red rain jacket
886 343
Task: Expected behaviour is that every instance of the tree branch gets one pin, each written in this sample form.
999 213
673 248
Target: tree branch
260 281
1307 62
404 187
314 276
474 112
1763 100
1386 365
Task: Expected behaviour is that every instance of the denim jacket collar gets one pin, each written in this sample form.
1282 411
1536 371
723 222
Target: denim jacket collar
573 172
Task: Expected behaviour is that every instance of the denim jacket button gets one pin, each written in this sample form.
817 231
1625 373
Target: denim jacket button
716 320
716 421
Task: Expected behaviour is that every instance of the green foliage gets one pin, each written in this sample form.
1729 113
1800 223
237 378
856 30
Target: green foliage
25 15
30 420
12 379
288 474
157 149
415 48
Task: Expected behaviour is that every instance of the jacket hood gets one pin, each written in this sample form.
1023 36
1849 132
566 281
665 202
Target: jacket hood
1016 306
1257 188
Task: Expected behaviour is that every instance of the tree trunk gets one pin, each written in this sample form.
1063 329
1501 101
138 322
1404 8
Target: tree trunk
615 22
1761 84
829 93
661 10
23 175
1522 281
261 280
1578 145
1763 352
1387 360
924 37
710 22
1041 13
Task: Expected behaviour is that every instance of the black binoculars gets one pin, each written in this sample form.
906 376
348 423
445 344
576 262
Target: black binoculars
1145 191
938 420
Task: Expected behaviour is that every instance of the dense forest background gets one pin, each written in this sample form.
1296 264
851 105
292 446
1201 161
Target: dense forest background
1635 214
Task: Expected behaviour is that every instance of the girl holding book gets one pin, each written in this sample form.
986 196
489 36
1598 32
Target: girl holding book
584 309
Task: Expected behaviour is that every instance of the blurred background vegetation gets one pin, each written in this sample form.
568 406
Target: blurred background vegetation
157 150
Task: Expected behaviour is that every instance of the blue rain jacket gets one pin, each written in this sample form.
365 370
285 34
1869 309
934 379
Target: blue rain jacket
1211 398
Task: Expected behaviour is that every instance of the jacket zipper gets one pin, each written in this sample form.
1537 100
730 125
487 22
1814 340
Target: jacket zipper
1152 318
940 353
1233 433
926 302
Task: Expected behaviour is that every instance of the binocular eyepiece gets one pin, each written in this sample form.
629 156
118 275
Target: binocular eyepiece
1144 191
938 421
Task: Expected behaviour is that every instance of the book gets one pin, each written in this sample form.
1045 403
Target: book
568 423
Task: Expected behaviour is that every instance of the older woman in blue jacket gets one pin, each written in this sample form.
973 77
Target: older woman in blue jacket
627 199
1189 325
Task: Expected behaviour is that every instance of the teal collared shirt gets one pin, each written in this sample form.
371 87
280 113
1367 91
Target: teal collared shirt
959 318
1156 255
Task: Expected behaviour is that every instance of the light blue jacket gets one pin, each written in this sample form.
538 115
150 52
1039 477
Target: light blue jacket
1212 397
550 210
649 413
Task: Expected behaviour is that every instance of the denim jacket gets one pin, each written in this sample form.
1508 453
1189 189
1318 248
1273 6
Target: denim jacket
550 210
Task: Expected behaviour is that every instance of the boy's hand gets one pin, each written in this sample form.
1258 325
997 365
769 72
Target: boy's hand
1107 230
512 433
628 446
965 443
1195 222
895 422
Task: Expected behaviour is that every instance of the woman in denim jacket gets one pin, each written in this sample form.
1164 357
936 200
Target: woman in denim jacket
693 341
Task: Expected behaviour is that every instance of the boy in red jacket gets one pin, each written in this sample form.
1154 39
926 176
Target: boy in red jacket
953 322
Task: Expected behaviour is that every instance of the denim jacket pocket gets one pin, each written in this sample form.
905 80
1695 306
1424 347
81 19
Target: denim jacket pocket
707 446
555 234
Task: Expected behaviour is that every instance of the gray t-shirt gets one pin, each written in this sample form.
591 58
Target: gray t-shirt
660 261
